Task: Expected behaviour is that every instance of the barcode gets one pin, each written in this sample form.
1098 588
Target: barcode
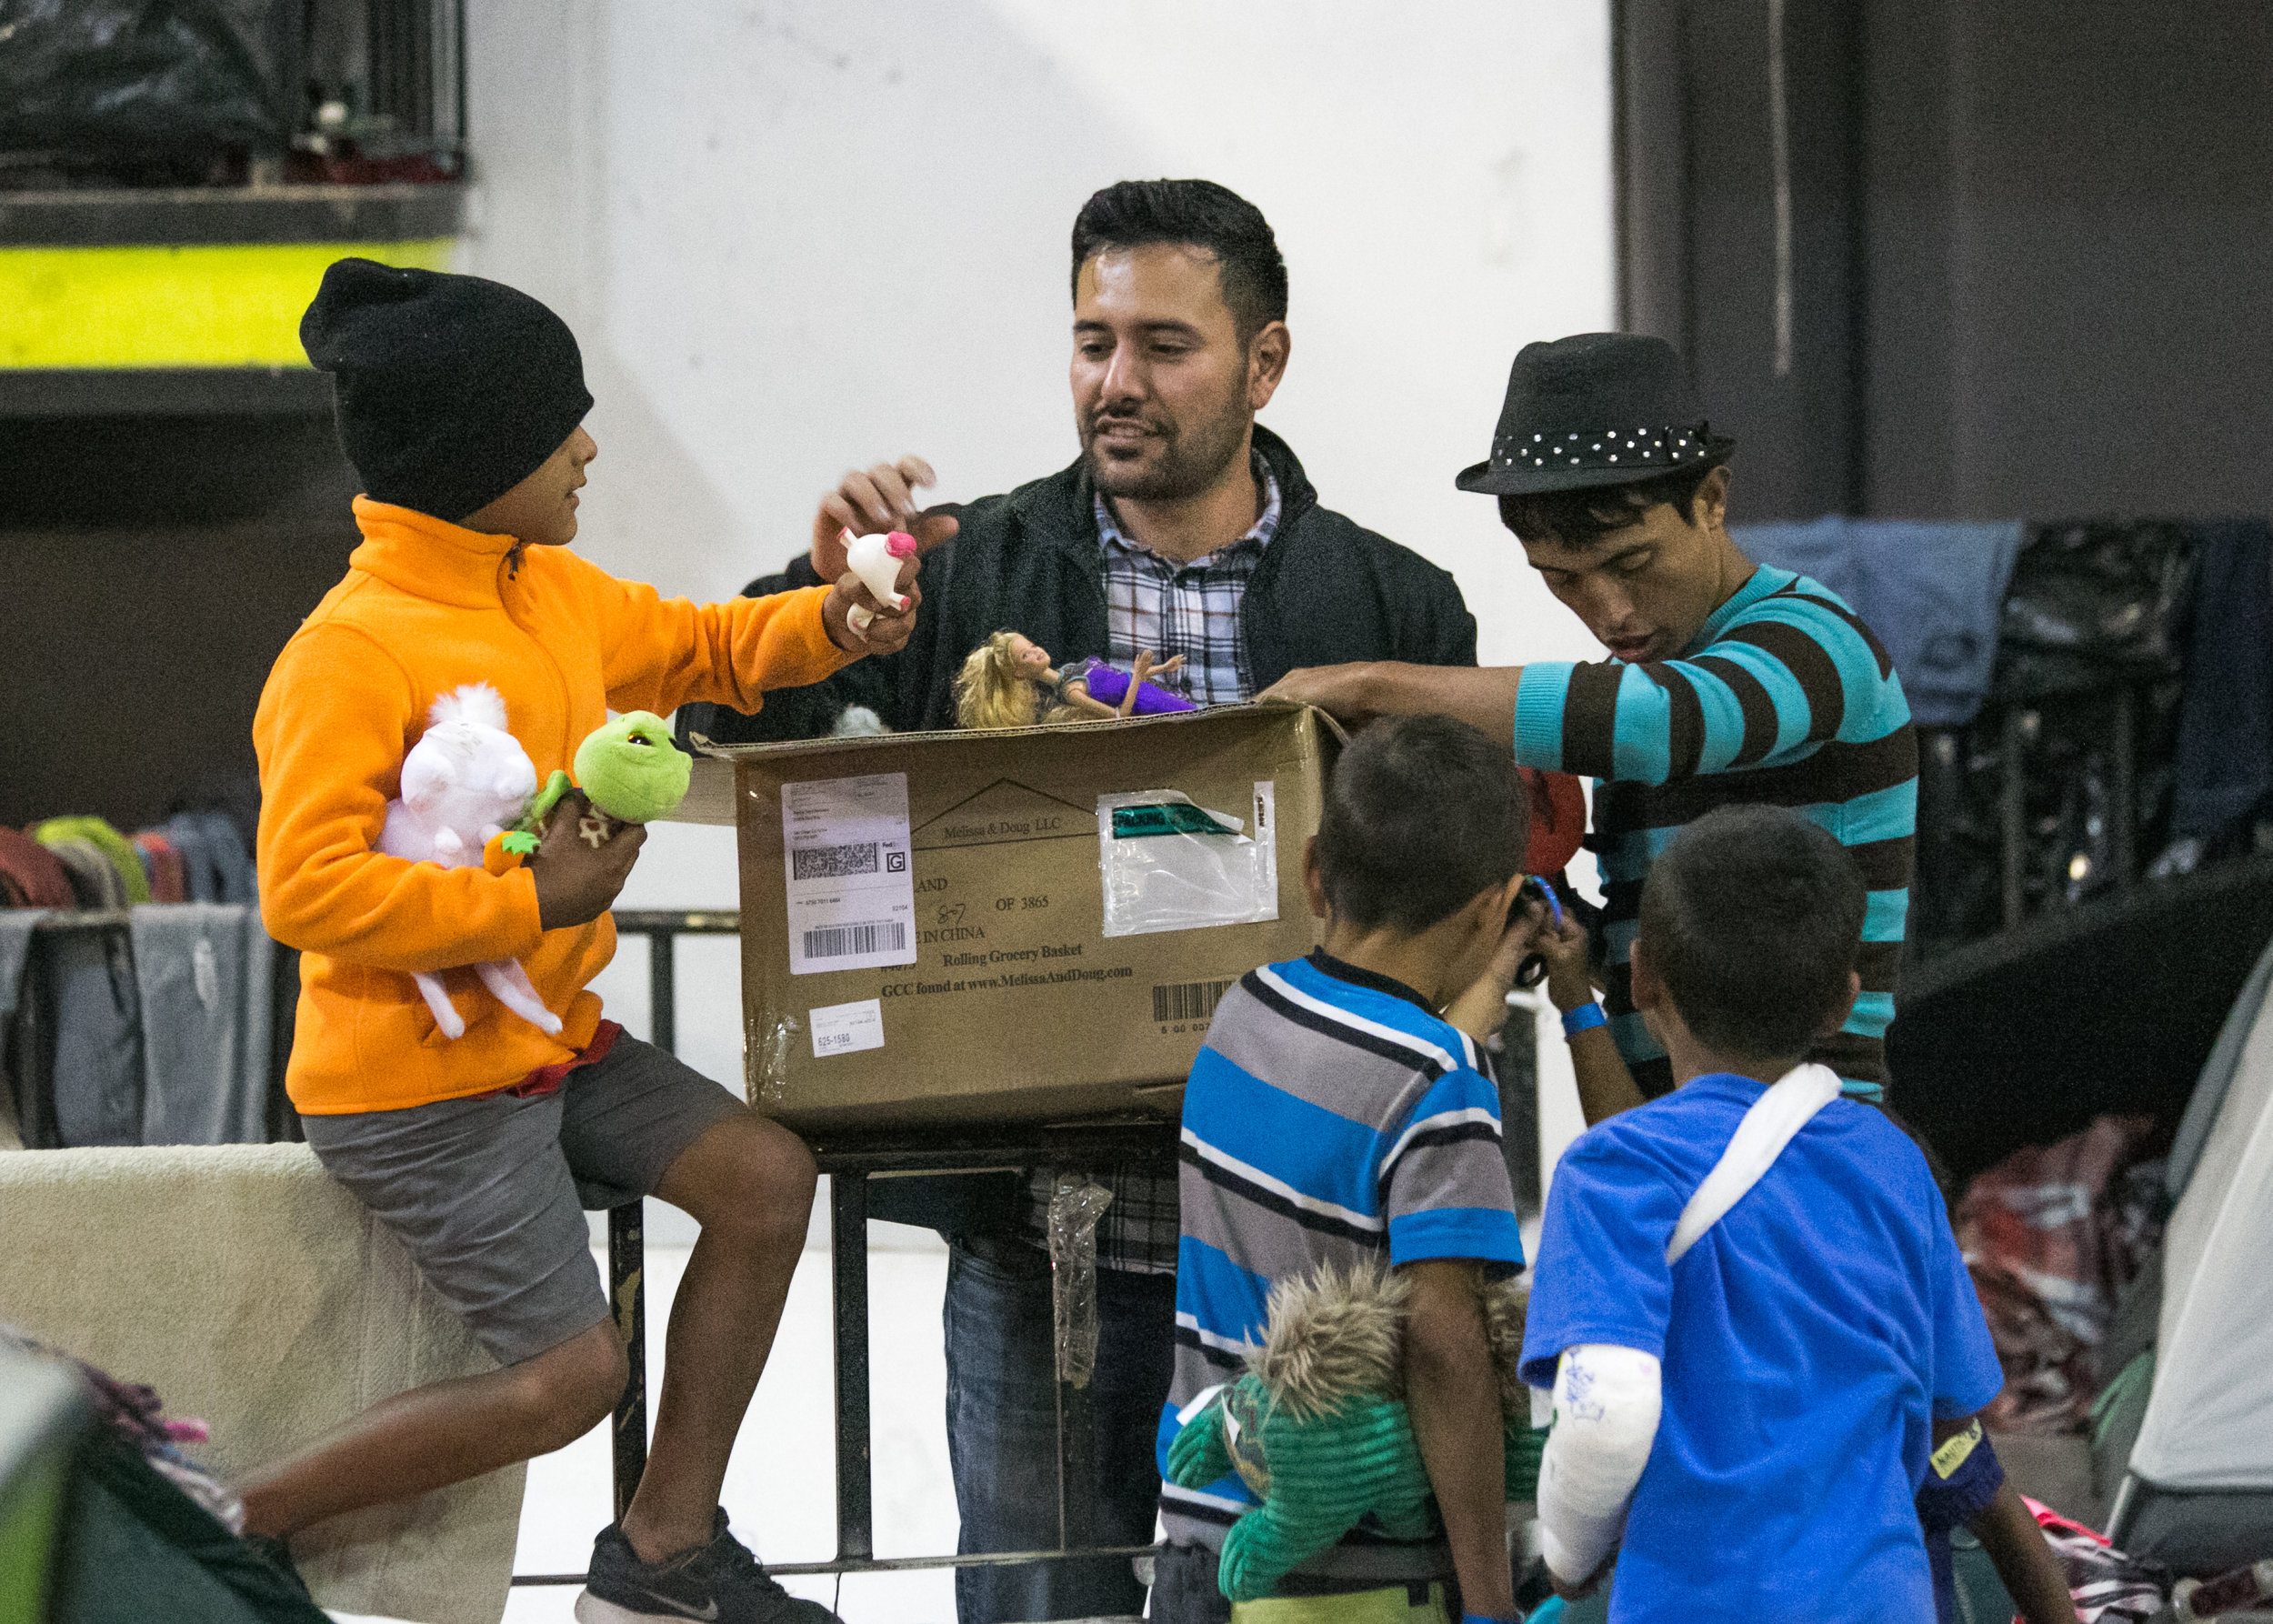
842 941
1187 1000
833 862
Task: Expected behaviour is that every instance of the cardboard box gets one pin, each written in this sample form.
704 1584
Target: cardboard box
1017 989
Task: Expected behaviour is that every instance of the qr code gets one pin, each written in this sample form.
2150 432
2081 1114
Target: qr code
833 862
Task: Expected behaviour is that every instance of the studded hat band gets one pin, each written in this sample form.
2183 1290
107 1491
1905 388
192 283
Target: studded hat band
1647 449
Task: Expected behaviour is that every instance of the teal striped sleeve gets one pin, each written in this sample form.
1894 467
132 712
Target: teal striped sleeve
1539 695
1763 687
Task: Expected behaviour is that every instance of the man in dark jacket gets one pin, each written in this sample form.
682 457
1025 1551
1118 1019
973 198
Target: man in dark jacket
1030 561
1184 528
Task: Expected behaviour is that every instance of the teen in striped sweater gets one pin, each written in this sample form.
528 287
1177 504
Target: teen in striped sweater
1729 682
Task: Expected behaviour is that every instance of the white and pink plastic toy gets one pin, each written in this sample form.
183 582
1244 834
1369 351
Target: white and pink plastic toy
876 559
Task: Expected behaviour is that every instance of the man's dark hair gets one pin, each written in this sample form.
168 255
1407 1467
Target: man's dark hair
1582 517
1752 918
1421 814
1197 214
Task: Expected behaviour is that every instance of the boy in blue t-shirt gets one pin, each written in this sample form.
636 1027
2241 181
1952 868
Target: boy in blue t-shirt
1755 1417
1334 1118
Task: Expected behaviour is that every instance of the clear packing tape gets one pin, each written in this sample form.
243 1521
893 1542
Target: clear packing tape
1076 1203
767 1036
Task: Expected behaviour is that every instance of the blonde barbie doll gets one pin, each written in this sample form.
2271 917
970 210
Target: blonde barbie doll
1008 682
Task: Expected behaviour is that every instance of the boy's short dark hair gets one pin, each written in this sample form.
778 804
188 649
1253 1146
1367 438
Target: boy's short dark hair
1580 517
1752 918
1421 814
1201 214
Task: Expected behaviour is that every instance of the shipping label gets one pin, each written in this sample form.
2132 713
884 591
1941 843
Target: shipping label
845 857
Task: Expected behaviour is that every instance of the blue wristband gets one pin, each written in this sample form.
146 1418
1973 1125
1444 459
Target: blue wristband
1585 1018
1484 1619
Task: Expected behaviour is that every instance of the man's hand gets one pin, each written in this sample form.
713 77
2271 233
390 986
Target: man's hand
577 881
1341 691
881 499
878 628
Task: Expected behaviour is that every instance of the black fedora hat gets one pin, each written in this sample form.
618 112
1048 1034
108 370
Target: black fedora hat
1597 408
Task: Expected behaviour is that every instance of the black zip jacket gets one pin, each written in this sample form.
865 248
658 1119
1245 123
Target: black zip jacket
1325 591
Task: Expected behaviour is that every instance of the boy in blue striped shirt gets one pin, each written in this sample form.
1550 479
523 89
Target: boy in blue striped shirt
1334 1118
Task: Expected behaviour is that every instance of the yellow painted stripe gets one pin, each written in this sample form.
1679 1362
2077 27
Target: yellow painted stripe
226 304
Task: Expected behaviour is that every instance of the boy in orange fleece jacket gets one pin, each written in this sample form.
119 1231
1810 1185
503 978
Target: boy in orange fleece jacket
461 403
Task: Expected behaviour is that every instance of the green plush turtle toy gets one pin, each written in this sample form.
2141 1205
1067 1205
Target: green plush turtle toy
629 770
1317 1429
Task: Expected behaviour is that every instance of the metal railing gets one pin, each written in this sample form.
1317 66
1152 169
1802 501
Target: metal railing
850 1160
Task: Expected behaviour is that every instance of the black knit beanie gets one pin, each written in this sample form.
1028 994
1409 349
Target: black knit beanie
450 390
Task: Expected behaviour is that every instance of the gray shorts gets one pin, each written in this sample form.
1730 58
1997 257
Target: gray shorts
488 1195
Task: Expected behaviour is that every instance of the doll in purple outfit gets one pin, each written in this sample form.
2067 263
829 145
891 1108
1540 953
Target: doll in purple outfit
1008 682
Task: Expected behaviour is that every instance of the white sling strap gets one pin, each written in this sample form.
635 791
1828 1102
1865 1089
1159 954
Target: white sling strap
1782 1111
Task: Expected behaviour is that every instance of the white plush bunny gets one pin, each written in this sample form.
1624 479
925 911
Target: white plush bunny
464 781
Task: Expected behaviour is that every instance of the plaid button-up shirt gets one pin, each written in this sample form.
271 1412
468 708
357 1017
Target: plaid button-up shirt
1191 609
1171 609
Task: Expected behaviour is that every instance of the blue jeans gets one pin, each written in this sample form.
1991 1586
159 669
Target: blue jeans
1002 1430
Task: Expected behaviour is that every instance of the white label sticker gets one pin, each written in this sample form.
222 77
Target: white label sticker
847 1028
845 857
1267 835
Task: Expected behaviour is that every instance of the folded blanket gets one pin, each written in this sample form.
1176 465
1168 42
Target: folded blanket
253 1293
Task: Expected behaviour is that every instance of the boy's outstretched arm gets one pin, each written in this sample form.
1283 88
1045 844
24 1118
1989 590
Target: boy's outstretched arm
657 653
1453 1396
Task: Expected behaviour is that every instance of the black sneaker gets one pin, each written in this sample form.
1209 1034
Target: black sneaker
717 1583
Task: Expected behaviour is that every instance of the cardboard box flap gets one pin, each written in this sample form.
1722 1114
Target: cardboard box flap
797 747
710 789
709 793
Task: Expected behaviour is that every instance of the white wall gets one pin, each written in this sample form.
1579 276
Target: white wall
793 237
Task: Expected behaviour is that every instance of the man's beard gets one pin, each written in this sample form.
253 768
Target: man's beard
1190 460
